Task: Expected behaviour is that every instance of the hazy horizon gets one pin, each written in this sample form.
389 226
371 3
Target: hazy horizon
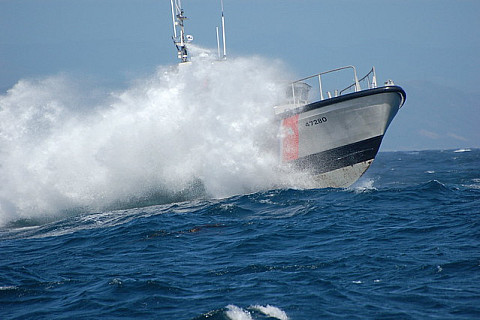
425 47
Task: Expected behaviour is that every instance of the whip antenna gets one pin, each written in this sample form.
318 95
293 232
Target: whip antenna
223 33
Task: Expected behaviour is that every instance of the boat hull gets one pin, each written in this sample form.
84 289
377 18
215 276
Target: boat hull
337 139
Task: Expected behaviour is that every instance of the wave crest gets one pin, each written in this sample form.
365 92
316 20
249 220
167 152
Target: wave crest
207 124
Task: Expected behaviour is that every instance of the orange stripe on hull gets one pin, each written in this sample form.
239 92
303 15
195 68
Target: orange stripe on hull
290 139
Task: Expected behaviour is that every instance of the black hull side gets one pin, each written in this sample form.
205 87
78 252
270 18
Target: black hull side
340 157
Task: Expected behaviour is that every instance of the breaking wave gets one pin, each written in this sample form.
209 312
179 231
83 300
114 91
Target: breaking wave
233 312
199 129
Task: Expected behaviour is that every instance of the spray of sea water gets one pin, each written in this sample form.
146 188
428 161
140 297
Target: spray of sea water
200 129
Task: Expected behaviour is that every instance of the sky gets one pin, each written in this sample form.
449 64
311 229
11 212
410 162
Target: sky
428 47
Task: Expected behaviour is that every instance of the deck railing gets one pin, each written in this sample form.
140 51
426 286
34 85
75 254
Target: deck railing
299 90
370 80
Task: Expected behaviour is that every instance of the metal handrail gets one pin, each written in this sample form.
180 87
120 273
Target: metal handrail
319 75
370 84
355 85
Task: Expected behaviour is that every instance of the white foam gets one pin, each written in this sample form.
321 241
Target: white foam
271 311
236 313
462 150
474 185
6 288
363 185
62 148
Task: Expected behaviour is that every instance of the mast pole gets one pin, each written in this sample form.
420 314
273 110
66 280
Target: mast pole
179 31
218 45
173 20
223 33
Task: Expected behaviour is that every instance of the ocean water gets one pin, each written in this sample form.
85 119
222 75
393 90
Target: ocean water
164 200
403 243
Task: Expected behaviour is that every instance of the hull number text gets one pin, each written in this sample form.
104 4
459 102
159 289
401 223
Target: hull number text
316 121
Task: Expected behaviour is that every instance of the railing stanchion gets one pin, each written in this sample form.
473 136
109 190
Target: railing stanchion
320 86
357 84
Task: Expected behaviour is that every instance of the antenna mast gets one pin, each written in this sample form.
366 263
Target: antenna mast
223 33
179 38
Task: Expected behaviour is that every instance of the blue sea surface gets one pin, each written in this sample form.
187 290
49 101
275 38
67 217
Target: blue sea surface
402 243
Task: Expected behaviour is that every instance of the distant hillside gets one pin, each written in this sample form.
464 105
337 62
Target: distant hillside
435 117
